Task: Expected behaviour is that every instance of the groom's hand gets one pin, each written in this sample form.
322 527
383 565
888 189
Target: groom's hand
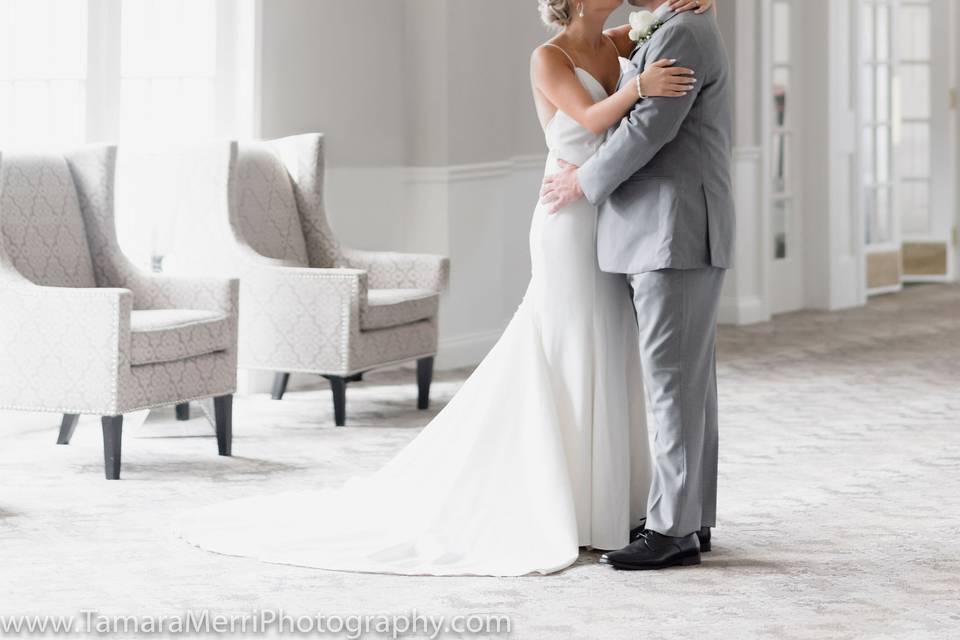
562 188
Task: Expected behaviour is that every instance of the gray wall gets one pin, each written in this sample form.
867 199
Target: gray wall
414 82
326 66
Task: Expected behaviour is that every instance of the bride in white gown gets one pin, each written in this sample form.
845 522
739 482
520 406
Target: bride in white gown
544 449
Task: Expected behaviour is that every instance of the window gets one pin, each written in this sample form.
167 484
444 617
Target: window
149 74
915 59
135 71
907 192
876 118
43 72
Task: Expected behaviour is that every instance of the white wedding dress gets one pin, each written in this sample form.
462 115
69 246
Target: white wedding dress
543 450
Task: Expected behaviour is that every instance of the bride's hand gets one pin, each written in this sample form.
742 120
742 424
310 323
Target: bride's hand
662 79
697 6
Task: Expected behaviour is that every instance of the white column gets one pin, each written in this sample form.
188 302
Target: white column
833 226
745 297
954 137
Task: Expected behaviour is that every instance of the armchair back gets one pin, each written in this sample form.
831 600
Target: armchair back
42 227
277 206
265 214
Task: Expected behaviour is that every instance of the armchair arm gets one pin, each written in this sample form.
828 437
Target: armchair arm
63 349
158 291
400 270
299 319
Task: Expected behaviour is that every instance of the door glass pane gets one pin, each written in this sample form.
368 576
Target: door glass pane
43 62
780 160
913 32
915 207
866 31
882 88
868 154
883 33
878 215
780 223
914 154
867 93
870 214
883 154
169 37
916 90
781 89
781 33
884 216
169 60
48 38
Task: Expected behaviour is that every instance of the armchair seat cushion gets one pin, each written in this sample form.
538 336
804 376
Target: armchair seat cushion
166 335
395 307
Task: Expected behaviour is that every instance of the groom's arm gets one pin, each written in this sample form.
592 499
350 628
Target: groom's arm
652 124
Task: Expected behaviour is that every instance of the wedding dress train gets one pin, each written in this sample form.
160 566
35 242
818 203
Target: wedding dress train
543 450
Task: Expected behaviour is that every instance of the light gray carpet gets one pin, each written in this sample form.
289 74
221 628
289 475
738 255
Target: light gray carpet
839 500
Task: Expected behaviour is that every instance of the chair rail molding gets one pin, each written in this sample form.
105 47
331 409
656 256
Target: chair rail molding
479 214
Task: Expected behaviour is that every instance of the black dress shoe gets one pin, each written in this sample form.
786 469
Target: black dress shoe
655 551
703 535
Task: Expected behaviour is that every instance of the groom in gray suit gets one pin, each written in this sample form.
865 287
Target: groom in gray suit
662 186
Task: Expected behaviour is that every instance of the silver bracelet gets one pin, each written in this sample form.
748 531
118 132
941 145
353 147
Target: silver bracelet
640 89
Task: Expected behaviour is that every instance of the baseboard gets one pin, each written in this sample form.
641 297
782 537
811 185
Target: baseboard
465 351
741 311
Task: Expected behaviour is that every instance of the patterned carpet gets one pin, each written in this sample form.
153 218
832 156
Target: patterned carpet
839 500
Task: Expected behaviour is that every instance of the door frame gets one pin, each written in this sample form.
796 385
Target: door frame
786 275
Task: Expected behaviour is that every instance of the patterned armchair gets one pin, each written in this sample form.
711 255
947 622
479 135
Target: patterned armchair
82 331
309 304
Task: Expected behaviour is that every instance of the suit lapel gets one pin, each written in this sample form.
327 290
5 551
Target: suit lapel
640 50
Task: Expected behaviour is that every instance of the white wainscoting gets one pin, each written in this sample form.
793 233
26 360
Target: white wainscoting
478 214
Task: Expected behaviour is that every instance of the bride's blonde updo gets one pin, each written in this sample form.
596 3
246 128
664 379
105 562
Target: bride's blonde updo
556 13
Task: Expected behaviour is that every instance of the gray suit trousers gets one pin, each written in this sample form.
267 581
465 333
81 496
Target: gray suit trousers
677 318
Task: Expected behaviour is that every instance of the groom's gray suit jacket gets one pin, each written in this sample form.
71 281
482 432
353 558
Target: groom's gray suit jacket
662 181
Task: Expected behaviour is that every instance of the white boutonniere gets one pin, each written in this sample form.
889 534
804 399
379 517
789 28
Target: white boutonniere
643 24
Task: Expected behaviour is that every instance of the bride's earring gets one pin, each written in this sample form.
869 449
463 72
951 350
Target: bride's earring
581 9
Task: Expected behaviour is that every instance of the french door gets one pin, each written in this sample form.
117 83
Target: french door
879 93
906 159
784 224
926 193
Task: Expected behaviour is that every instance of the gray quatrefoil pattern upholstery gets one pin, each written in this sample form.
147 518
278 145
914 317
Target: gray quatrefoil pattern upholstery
43 229
342 311
83 330
266 208
393 307
162 335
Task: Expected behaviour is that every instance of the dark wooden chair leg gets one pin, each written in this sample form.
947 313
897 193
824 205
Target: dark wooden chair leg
67 427
338 385
112 435
183 411
280 381
223 414
424 378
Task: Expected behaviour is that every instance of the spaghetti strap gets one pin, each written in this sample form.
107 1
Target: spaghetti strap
563 51
615 47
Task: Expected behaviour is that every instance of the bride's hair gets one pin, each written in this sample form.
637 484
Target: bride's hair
556 13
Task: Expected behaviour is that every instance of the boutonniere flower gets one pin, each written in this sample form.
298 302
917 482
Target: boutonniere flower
643 24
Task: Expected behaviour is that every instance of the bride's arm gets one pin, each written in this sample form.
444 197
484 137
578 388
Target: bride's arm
621 35
558 82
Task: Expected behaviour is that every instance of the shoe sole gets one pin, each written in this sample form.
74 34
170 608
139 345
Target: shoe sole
684 561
